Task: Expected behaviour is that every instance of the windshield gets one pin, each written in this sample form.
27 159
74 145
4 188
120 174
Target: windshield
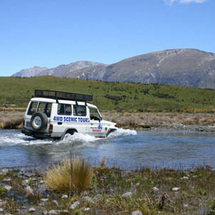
94 114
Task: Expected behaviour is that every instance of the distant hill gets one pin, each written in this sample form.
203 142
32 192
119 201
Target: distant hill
63 70
31 72
183 67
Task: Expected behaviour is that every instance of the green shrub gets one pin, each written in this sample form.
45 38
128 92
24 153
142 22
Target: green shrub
2 191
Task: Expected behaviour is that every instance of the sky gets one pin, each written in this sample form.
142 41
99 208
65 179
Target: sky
54 32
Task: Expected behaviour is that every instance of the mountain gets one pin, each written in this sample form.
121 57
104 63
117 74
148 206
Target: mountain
31 72
91 73
62 70
183 67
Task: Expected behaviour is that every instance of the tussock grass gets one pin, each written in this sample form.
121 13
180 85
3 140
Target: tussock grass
74 175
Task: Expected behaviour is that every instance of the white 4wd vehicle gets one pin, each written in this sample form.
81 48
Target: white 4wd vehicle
54 114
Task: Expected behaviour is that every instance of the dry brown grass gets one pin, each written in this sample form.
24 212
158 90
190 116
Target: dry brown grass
11 119
74 175
144 119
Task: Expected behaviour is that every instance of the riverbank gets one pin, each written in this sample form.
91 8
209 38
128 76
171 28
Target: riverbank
112 191
136 120
141 120
11 119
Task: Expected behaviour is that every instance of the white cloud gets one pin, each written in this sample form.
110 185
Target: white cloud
170 2
195 1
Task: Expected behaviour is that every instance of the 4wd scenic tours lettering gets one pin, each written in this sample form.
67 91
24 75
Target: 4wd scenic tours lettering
70 119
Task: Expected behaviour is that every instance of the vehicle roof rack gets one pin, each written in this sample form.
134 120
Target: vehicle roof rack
62 95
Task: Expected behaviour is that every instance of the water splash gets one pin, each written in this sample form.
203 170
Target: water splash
123 132
86 138
13 138
78 139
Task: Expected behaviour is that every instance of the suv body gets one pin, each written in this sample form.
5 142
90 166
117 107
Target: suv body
54 114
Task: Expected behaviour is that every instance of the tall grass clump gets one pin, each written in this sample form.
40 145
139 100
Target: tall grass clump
74 175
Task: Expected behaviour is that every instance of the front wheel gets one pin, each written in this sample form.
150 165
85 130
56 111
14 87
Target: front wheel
110 131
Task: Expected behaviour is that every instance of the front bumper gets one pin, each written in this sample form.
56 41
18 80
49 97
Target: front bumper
38 135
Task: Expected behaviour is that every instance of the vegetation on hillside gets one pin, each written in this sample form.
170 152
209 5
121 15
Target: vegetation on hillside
112 95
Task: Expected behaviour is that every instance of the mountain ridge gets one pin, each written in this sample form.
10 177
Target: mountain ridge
183 67
31 72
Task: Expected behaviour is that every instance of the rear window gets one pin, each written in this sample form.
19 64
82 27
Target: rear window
32 108
79 110
45 108
42 107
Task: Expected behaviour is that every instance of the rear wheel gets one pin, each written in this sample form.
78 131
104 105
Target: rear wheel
71 132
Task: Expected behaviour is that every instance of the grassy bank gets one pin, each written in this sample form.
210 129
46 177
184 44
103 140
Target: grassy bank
112 96
111 191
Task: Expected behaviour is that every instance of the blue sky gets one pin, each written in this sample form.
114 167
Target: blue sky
54 32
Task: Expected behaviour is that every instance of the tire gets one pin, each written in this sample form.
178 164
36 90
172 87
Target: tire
71 132
39 121
110 131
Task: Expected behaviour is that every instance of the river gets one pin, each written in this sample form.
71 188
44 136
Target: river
127 149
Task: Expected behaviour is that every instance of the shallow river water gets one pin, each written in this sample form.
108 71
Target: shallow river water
127 149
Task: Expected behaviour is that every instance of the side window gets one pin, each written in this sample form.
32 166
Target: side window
32 108
45 107
79 110
94 114
64 109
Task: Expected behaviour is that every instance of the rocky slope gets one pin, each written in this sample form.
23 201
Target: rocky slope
185 67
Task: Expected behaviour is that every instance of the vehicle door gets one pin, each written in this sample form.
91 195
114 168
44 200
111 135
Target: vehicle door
96 127
62 119
81 117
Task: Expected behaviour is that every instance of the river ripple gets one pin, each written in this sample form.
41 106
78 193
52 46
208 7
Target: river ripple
126 149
